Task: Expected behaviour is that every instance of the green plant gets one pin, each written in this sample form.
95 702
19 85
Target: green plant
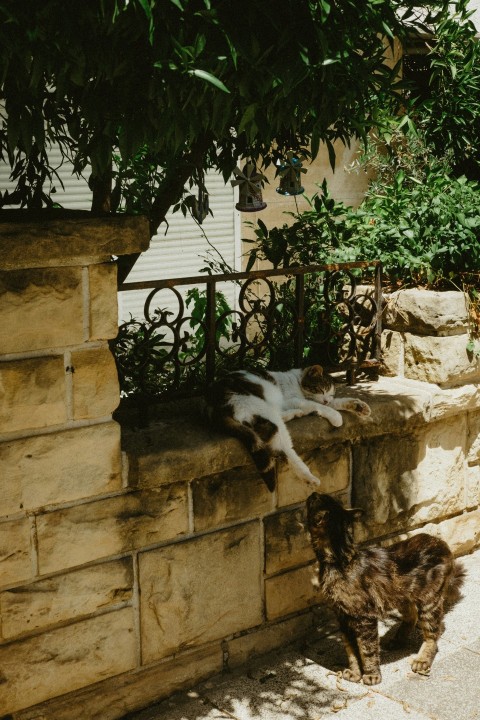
318 235
418 218
152 360
451 112
471 290
197 300
198 83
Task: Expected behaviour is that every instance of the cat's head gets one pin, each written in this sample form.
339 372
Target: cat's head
317 384
330 526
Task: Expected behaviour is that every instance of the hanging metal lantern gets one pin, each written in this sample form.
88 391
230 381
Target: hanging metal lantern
289 174
250 182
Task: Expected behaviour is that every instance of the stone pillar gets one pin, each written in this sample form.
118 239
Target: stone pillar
426 338
59 449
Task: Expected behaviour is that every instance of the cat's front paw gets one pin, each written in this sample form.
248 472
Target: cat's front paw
361 408
372 679
351 675
333 417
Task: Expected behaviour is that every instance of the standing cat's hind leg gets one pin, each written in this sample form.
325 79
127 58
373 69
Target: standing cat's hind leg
430 618
406 628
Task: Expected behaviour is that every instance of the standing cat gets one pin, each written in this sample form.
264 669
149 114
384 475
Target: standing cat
254 406
414 576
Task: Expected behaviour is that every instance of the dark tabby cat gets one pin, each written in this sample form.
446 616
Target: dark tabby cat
254 406
414 576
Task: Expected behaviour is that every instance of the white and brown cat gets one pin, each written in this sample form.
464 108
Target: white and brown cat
255 405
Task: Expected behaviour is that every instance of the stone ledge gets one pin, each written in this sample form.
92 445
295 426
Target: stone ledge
74 238
179 442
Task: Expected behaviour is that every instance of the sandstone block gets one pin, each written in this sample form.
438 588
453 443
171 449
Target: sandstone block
287 542
103 301
163 453
40 309
96 391
393 353
403 481
226 497
73 238
15 551
32 394
66 659
200 590
245 647
426 312
292 591
472 479
76 535
331 464
63 598
462 532
60 467
441 360
473 438
112 698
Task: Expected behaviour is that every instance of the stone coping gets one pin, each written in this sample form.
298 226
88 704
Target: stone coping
179 442
53 239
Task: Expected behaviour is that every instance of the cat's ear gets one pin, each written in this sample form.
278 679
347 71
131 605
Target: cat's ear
315 371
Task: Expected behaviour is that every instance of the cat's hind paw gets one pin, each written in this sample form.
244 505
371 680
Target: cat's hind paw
421 667
372 679
351 675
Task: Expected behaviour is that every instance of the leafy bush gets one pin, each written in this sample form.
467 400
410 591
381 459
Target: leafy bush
417 217
421 220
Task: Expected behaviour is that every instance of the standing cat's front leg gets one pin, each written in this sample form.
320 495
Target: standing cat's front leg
366 634
354 672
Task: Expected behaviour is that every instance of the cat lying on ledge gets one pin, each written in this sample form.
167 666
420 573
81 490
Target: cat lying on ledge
414 576
255 405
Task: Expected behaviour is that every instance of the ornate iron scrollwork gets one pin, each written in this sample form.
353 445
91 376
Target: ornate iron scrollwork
281 318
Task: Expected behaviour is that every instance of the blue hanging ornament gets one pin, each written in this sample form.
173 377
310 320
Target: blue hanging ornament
289 173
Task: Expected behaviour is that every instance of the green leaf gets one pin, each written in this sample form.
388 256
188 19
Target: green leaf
208 77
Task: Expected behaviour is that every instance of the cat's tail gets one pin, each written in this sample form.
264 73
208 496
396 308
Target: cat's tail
455 584
255 437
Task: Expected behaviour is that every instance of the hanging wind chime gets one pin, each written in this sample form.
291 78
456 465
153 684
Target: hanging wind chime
249 182
289 173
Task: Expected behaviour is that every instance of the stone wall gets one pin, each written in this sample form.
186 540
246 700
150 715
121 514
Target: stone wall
129 572
60 458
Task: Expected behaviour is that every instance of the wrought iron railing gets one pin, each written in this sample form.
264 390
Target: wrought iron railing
280 319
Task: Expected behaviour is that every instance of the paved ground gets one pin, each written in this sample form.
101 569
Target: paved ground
301 683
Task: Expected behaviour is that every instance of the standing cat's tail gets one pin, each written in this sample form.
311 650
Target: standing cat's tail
456 581
255 437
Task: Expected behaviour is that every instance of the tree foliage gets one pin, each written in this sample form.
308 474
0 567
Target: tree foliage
190 84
